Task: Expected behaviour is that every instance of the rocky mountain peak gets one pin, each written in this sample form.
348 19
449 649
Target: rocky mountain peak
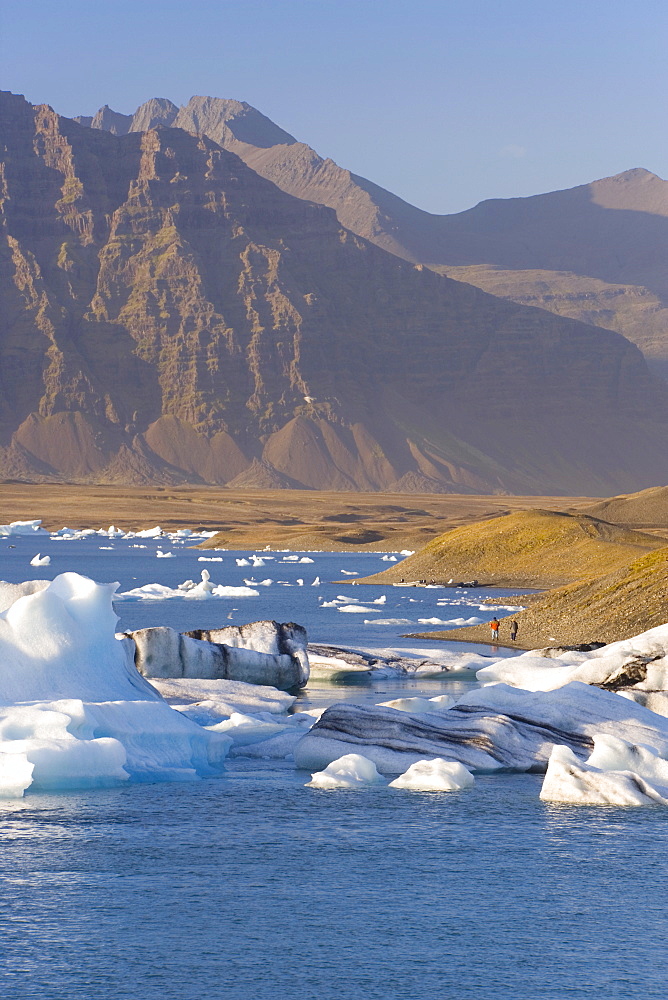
157 111
111 121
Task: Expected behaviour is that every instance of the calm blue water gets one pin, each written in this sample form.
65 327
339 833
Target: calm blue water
252 886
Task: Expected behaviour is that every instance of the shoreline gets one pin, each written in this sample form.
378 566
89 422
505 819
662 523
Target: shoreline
444 637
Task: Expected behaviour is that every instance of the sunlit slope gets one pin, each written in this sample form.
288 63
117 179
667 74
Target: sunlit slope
615 606
533 548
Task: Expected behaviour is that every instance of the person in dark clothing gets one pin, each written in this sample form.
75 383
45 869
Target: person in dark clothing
514 627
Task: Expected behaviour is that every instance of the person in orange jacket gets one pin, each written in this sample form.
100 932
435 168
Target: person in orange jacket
494 625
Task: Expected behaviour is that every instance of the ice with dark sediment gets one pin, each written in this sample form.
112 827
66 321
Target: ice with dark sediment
265 652
490 729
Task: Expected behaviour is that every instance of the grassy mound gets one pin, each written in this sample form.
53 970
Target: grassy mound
530 548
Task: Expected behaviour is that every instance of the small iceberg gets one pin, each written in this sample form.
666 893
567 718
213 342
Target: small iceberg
40 560
618 773
436 775
349 771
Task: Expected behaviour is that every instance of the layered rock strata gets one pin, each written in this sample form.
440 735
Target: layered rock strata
169 316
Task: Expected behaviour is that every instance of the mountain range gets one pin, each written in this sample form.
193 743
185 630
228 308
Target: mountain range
596 252
193 295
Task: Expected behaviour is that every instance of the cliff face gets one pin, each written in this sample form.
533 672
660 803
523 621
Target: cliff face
169 315
595 253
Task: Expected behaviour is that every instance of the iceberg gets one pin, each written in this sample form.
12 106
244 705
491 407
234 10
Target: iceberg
40 560
350 771
204 590
74 711
436 775
490 729
22 528
420 706
617 773
266 653
639 663
208 702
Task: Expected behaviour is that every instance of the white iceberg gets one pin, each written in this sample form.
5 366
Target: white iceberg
640 662
203 590
435 775
22 528
355 609
349 771
40 560
164 555
420 706
617 773
208 702
74 712
146 533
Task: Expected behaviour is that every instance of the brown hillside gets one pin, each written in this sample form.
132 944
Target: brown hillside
647 509
615 606
531 548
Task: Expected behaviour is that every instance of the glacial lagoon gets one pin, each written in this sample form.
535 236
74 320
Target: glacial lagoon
252 885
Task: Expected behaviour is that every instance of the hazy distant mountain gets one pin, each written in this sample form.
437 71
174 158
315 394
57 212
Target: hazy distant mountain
169 314
596 253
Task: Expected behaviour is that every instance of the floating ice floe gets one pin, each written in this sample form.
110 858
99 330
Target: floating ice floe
188 589
258 583
146 533
209 559
435 775
316 582
22 528
305 559
242 562
40 560
407 552
355 609
617 773
489 729
164 555
74 711
349 572
386 621
449 621
388 559
350 771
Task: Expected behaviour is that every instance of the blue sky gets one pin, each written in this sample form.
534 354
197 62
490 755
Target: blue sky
443 102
